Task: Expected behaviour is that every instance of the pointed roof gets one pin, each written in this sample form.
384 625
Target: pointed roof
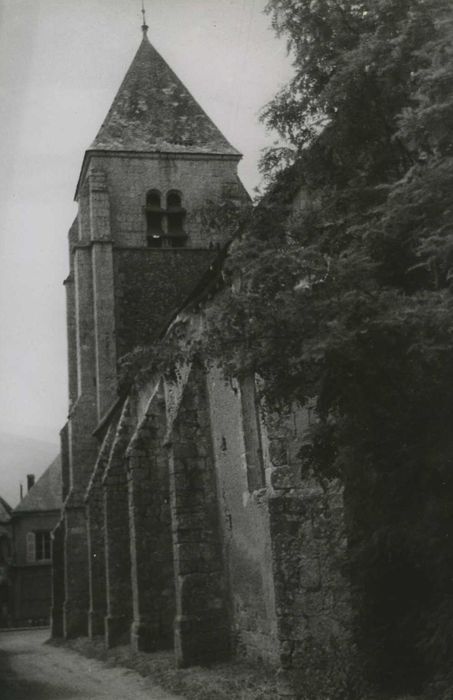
5 511
46 494
154 112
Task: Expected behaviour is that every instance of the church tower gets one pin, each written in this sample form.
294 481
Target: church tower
149 183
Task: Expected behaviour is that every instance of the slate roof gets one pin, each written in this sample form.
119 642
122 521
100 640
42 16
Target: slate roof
154 112
46 492
5 511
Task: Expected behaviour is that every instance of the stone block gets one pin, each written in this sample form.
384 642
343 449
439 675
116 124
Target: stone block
283 478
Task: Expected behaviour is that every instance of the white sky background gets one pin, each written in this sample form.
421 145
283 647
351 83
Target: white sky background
61 63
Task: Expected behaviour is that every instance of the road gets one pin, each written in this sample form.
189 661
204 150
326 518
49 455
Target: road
31 670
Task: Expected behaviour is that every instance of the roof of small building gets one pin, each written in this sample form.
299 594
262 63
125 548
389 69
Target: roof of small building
154 112
5 511
46 493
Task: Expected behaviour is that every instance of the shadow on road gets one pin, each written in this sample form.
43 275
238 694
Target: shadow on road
14 688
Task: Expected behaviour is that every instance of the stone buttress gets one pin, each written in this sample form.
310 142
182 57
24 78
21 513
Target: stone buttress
117 534
255 565
153 587
94 500
202 622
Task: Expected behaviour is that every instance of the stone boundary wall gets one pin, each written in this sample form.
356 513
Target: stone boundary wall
309 550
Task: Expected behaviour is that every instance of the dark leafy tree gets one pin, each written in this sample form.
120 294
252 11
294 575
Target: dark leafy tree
347 301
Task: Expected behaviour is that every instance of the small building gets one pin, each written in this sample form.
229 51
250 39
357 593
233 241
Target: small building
32 523
5 560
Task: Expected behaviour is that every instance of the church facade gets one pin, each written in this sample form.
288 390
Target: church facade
188 522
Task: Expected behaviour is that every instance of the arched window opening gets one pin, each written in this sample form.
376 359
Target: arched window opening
153 199
173 200
176 215
165 224
154 219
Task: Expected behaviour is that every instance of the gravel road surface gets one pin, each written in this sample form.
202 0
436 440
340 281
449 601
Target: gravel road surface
32 670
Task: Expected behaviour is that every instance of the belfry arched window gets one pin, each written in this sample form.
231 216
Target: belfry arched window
165 224
154 219
176 215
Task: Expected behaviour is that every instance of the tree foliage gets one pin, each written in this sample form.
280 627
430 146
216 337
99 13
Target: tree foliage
348 301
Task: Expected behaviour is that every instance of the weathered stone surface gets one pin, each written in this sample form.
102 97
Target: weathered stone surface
244 525
117 539
82 447
76 573
96 538
58 588
202 628
103 291
313 600
150 284
71 326
153 588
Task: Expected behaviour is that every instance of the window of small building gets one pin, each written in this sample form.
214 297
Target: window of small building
43 545
252 434
38 546
154 219
176 215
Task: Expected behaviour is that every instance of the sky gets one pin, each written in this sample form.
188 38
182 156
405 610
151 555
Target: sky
61 63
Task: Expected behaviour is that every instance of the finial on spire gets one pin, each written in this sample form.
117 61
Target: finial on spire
144 25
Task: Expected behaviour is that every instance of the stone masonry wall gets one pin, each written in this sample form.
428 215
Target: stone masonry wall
65 464
94 500
58 539
198 179
103 290
309 546
245 525
76 572
149 286
57 581
202 627
71 317
117 543
83 449
153 585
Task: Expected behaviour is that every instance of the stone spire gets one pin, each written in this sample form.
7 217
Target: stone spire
154 112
